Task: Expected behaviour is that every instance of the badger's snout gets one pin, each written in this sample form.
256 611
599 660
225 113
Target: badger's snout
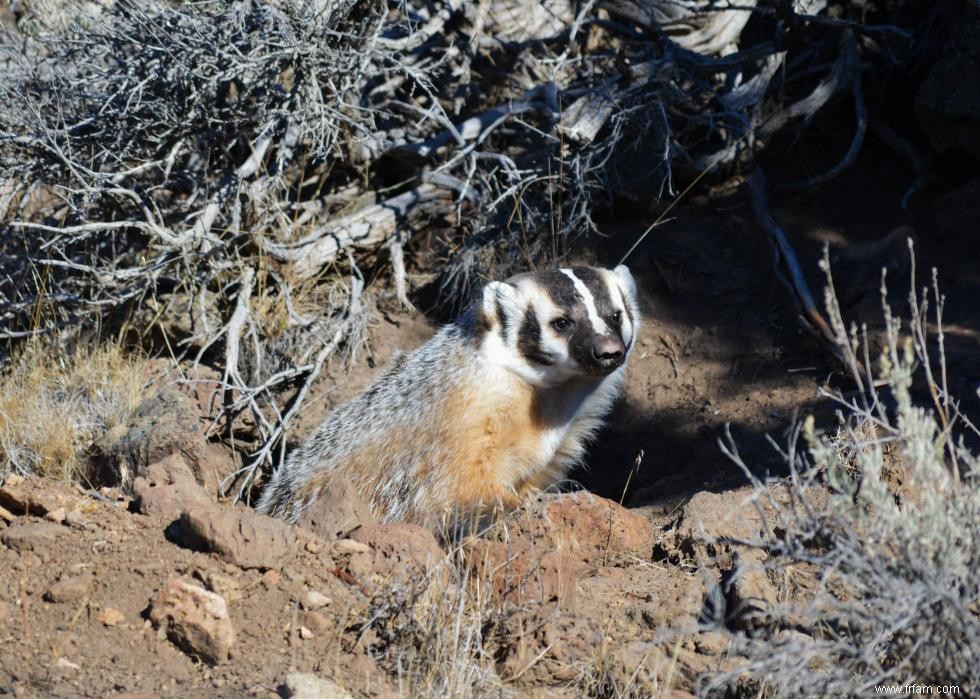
604 354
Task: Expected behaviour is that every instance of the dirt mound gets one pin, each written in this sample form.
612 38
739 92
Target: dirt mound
126 597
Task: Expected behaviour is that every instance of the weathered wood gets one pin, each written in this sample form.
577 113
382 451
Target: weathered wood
367 228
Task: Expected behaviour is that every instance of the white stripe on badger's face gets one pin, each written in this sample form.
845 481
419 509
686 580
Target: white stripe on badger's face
598 324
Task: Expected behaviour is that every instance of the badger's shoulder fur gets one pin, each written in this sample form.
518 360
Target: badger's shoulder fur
494 406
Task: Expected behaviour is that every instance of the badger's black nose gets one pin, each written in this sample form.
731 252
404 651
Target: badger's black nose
608 352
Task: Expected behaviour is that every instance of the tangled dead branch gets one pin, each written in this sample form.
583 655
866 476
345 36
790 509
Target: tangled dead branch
218 170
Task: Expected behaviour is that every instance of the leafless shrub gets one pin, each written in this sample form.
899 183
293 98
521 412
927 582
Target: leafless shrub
220 173
892 593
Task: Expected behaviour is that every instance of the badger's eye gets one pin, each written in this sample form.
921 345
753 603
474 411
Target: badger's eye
560 324
616 317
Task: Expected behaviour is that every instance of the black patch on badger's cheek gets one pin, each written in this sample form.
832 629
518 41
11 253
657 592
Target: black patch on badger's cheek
580 346
502 319
529 340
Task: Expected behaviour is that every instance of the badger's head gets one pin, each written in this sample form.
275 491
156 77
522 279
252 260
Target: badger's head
555 325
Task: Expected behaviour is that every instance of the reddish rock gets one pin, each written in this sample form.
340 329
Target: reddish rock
111 616
548 647
168 488
36 496
238 535
398 552
205 389
195 620
70 588
31 536
521 572
337 511
165 423
591 528
707 517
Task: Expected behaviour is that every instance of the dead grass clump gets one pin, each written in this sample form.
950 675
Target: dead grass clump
55 403
446 634
896 575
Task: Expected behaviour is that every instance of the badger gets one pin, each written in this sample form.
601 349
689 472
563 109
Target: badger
496 406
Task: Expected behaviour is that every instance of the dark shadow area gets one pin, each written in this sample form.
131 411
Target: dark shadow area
721 343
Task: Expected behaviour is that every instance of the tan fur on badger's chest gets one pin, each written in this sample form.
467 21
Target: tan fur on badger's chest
498 442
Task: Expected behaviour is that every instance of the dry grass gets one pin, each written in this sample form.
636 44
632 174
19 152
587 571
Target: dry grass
448 634
896 574
55 403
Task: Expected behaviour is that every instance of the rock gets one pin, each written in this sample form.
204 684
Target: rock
36 496
548 647
165 423
65 664
542 548
238 535
56 515
305 685
319 624
587 526
221 585
677 603
751 595
195 620
75 520
349 546
70 588
948 102
521 572
203 386
399 552
111 617
168 488
31 536
706 517
337 511
315 600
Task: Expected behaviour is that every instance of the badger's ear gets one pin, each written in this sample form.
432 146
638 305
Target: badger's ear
626 280
501 302
497 294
